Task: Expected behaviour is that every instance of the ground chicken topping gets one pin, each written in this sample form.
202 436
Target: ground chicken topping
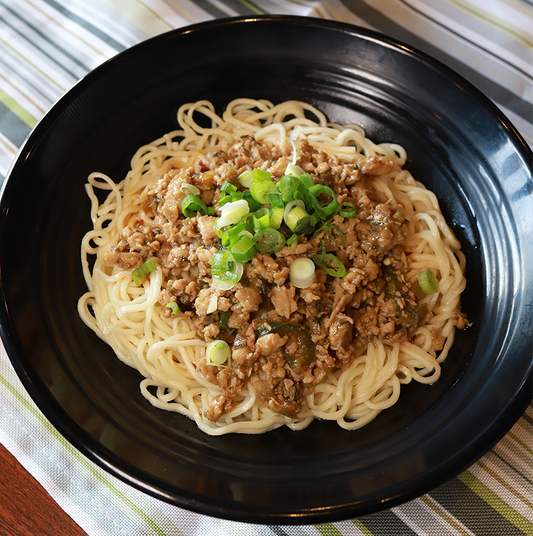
286 336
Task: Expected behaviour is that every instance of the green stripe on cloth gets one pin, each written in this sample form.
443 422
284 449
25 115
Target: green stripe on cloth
14 132
328 529
386 522
253 8
521 443
234 5
29 406
445 516
471 510
32 64
495 502
362 527
487 17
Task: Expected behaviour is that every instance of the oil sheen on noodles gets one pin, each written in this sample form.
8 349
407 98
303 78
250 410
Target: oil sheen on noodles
164 349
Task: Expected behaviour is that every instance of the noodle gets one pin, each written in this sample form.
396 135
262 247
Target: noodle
169 350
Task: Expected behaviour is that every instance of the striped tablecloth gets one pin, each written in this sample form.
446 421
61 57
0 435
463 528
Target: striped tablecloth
47 45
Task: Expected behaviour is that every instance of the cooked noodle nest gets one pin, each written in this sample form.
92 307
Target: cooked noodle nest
165 349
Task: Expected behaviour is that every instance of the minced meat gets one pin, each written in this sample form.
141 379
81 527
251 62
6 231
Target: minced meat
284 337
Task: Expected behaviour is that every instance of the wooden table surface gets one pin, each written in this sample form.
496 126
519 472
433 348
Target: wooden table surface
26 508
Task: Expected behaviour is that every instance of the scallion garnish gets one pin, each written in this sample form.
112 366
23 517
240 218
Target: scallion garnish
427 281
347 210
291 239
244 248
293 169
225 270
191 204
144 269
259 216
233 212
218 353
187 188
399 216
288 187
325 260
261 219
245 178
276 217
228 188
261 190
269 240
326 209
297 219
328 228
302 272
174 307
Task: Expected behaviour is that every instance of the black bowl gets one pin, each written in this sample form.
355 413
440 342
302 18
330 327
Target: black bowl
459 145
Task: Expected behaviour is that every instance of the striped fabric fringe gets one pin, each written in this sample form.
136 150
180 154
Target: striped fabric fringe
46 46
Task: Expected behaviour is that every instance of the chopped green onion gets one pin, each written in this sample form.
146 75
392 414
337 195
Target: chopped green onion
228 284
243 249
315 218
347 210
233 233
427 281
225 270
217 230
292 238
302 273
261 175
276 217
326 209
221 262
218 352
246 233
288 187
245 178
269 240
224 199
297 219
191 204
261 219
233 212
275 200
252 203
290 205
228 188
142 270
174 307
213 304
261 190
329 229
187 188
323 261
293 169
306 180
